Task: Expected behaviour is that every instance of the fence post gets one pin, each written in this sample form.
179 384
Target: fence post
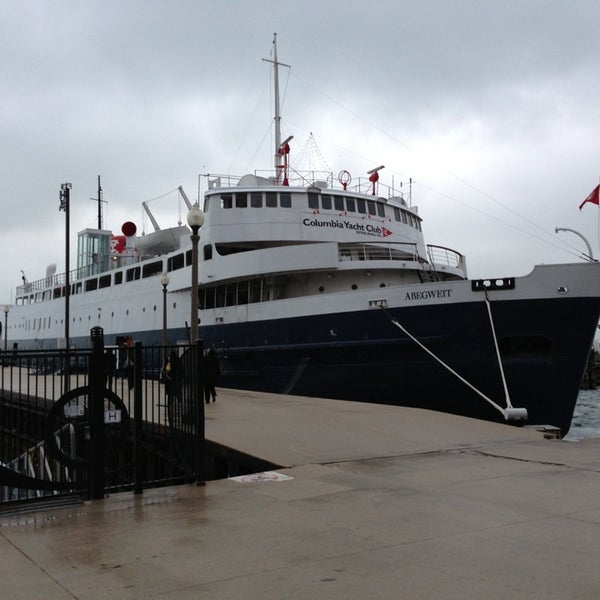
200 432
96 414
138 419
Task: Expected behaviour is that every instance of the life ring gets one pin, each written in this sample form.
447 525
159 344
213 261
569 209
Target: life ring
345 178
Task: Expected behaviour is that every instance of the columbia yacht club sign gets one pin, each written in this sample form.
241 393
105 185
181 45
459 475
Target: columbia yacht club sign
371 229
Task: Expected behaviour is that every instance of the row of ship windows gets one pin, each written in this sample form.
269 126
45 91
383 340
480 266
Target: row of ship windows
118 277
42 323
316 201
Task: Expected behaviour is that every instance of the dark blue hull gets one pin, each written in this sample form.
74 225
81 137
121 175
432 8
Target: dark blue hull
364 357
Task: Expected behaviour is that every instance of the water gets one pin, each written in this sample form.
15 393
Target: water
586 418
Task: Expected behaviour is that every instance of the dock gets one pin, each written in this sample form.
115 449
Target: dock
365 501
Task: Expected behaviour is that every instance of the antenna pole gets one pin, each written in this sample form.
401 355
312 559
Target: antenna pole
99 204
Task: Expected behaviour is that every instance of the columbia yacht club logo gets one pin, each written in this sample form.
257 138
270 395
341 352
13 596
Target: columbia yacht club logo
371 229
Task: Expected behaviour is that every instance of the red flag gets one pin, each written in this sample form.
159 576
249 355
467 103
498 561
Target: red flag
594 197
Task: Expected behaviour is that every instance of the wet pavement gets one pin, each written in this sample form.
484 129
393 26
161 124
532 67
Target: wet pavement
370 501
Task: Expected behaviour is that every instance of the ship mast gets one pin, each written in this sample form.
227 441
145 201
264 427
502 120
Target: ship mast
99 199
277 118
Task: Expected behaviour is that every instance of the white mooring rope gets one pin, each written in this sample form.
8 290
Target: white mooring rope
509 413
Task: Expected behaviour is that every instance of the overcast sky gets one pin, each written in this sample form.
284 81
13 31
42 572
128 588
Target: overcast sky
490 106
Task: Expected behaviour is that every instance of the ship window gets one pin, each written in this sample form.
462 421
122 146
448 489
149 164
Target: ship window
219 296
208 252
313 200
380 209
226 201
77 288
57 292
285 199
326 202
104 281
175 262
243 292
361 205
372 207
271 200
397 215
118 277
91 284
404 218
241 200
132 274
254 290
188 258
230 294
152 269
256 199
338 203
350 205
209 297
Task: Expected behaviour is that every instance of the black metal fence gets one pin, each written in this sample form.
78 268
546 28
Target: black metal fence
95 421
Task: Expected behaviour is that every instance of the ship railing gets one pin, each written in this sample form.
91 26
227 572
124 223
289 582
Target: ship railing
442 256
320 179
391 251
54 281
403 251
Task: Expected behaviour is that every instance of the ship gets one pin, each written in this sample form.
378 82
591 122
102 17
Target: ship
321 284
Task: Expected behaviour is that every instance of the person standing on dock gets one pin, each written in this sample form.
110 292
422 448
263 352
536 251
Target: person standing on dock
110 366
212 370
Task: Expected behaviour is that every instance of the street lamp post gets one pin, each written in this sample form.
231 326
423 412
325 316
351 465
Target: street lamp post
164 281
64 196
195 219
6 311
590 255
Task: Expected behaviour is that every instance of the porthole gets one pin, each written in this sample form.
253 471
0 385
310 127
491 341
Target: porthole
382 285
155 308
321 289
354 286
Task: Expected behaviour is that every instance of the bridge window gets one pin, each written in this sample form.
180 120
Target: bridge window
285 199
313 200
338 203
175 262
132 274
256 200
152 269
326 202
241 200
271 199
350 205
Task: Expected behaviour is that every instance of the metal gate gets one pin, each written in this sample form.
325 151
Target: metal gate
90 422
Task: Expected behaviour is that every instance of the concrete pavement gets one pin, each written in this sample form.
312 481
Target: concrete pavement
373 502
